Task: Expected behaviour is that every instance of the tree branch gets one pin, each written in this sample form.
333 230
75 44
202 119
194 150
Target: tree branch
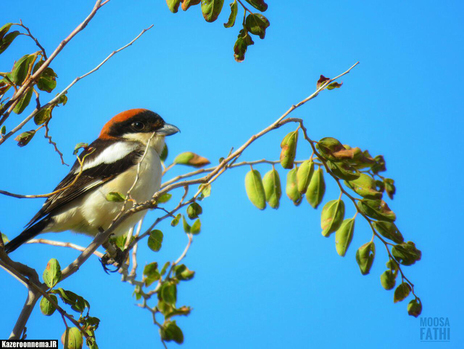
56 99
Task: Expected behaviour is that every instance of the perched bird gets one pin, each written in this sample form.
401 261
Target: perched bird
109 164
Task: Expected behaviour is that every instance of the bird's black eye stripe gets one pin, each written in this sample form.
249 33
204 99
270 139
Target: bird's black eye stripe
138 125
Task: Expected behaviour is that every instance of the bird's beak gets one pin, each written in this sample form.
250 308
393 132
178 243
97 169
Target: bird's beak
167 130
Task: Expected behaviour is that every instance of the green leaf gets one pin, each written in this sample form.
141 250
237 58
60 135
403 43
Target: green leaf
291 188
334 85
258 4
47 79
119 241
23 102
168 293
155 240
332 216
3 130
151 273
187 3
365 186
328 146
415 307
183 273
7 40
191 159
164 198
137 292
165 267
164 153
173 5
42 116
390 187
196 227
24 138
316 188
379 164
194 210
52 273
4 29
389 231
288 152
365 257
388 280
255 190
257 24
343 236
76 302
205 191
272 188
304 174
79 146
186 226
176 220
5 238
171 332
115 197
22 68
63 99
401 292
241 45
211 9
343 170
393 266
169 311
46 307
233 15
406 253
377 209
72 338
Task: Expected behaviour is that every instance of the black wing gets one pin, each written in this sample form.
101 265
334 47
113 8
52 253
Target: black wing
89 179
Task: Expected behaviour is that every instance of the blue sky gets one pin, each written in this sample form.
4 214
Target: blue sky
263 279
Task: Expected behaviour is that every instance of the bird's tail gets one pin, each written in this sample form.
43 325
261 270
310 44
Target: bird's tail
26 235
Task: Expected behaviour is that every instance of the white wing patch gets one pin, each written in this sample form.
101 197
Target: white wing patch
110 155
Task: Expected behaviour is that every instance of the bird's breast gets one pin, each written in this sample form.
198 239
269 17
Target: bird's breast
141 180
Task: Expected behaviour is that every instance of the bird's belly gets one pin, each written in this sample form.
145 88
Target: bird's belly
93 211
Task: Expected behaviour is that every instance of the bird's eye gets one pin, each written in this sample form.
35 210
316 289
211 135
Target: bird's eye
138 126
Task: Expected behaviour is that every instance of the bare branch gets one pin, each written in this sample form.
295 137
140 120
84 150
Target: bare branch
29 81
33 38
62 244
102 237
81 169
47 130
56 99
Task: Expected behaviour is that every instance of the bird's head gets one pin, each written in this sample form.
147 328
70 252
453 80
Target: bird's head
138 125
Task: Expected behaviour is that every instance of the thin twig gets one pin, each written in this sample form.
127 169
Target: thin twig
81 169
182 256
33 38
62 244
56 99
50 141
102 237
31 79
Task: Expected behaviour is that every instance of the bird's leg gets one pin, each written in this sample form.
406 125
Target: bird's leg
113 256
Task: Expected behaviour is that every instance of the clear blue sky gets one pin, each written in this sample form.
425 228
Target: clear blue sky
263 279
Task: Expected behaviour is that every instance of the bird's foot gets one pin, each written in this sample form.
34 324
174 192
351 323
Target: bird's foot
114 256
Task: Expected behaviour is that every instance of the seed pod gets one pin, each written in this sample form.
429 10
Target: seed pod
291 188
255 190
304 174
272 188
288 153
316 188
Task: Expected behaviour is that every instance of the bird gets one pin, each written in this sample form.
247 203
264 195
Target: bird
125 157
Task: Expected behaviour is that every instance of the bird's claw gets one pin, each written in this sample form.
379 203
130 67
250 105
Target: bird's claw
117 260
